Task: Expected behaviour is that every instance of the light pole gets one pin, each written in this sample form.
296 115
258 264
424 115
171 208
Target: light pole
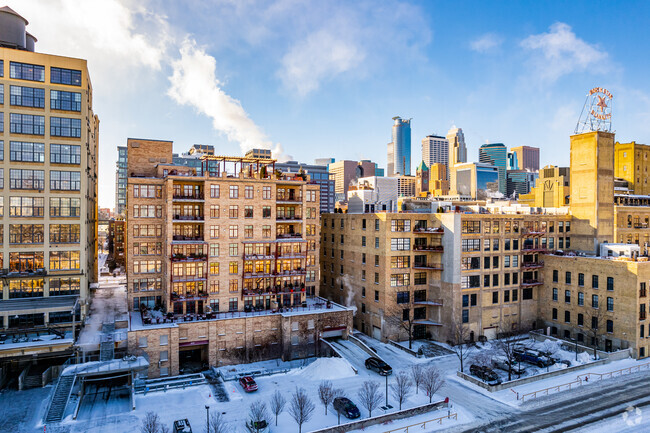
576 341
386 391
207 415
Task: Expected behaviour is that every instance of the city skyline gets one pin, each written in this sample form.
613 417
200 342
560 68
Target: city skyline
498 97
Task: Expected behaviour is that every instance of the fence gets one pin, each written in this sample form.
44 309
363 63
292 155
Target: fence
423 425
583 379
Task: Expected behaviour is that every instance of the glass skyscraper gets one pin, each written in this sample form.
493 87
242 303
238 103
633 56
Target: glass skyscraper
399 150
496 154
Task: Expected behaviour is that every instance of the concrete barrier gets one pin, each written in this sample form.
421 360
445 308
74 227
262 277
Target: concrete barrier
405 349
364 347
569 346
529 379
362 424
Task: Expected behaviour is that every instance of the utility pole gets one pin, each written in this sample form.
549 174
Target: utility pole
207 415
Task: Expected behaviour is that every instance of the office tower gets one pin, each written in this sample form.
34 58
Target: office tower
512 164
476 180
120 181
519 182
343 172
435 150
422 180
457 148
399 150
318 174
527 157
48 153
438 180
495 154
233 248
551 188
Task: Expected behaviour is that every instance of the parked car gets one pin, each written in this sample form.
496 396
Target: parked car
248 384
379 366
257 426
503 364
345 406
486 374
182 426
533 357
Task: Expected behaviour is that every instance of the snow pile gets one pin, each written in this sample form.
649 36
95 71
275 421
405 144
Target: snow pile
326 369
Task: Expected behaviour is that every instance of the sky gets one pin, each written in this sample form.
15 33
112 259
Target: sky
324 78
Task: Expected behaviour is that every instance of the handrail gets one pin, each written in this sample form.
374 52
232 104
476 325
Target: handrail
423 425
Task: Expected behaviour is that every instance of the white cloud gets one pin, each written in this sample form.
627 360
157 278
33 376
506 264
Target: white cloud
194 82
562 52
321 56
486 43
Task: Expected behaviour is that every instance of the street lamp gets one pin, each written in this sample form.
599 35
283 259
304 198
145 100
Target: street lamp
575 340
207 415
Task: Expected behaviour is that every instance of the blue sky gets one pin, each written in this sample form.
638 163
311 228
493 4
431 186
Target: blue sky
323 79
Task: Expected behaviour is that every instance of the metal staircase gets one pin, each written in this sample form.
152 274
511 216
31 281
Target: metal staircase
60 398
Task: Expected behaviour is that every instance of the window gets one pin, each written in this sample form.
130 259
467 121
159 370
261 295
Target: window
65 180
581 319
554 313
495 297
234 191
610 283
376 242
266 231
567 277
555 276
465 316
506 296
69 101
142 342
266 192
581 299
400 225
376 295
26 206
470 245
164 341
266 211
66 154
63 260
26 152
70 77
26 124
64 233
400 280
64 286
594 281
610 326
567 316
419 278
65 127
25 71
471 227
67 207
214 191
248 192
402 297
233 250
554 294
399 262
248 211
27 97
594 301
515 295
400 244
25 233
610 304
567 296
26 179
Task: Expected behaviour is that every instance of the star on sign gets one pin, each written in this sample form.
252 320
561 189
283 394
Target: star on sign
601 103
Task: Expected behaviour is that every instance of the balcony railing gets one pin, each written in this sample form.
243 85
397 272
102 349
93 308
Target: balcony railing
532 265
188 296
187 278
290 236
187 238
532 248
436 248
429 230
289 218
289 199
198 196
431 303
188 217
530 282
428 266
533 232
189 258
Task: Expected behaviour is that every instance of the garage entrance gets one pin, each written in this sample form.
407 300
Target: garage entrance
193 357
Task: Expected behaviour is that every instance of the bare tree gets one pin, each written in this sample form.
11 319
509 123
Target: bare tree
336 393
150 423
277 404
301 408
432 381
257 412
401 317
596 328
508 344
370 396
326 393
164 429
417 372
401 388
483 358
460 343
218 423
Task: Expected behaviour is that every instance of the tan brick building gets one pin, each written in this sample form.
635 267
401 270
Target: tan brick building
231 239
48 191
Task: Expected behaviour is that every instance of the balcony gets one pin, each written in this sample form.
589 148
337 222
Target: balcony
428 266
289 218
259 257
532 232
532 265
290 288
188 197
533 249
200 295
530 282
434 248
189 258
188 278
431 303
254 275
429 230
292 272
288 199
188 218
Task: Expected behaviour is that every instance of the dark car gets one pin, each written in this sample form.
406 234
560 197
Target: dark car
345 406
379 366
486 374
248 384
533 357
182 426
257 426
